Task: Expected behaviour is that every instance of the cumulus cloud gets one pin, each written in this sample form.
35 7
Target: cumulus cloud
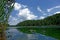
27 14
17 6
49 10
12 20
23 14
41 17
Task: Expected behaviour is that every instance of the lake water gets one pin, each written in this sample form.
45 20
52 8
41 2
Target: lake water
14 34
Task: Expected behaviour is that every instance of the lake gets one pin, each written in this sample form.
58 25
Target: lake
17 34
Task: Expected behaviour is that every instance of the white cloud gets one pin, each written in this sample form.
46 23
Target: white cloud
30 17
23 14
27 14
17 6
43 12
57 12
39 9
49 10
41 17
24 6
13 20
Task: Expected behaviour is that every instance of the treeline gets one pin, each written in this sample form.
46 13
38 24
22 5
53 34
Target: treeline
50 20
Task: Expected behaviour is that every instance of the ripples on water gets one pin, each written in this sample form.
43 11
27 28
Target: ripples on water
14 34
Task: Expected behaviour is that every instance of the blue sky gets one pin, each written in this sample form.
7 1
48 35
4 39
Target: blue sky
33 10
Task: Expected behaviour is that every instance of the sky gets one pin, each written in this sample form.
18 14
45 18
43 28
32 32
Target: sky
33 10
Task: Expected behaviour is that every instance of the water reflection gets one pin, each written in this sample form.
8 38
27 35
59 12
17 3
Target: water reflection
14 34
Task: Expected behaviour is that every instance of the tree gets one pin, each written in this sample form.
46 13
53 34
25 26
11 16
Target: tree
6 7
50 20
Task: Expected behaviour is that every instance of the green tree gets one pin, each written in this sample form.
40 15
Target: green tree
6 7
50 20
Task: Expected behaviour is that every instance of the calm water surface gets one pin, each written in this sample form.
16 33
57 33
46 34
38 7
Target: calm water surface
14 34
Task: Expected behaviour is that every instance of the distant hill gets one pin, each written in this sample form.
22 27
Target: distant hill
50 20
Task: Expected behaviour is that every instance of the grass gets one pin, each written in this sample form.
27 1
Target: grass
53 32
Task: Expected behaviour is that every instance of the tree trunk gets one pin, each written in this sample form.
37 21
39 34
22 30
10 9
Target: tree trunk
2 32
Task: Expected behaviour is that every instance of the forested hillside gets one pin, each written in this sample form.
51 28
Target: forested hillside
50 20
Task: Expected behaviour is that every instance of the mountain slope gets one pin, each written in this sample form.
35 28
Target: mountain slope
50 20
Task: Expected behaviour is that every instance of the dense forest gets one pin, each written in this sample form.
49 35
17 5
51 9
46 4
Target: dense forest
50 20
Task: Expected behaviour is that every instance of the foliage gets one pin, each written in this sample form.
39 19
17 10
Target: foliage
5 8
50 20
